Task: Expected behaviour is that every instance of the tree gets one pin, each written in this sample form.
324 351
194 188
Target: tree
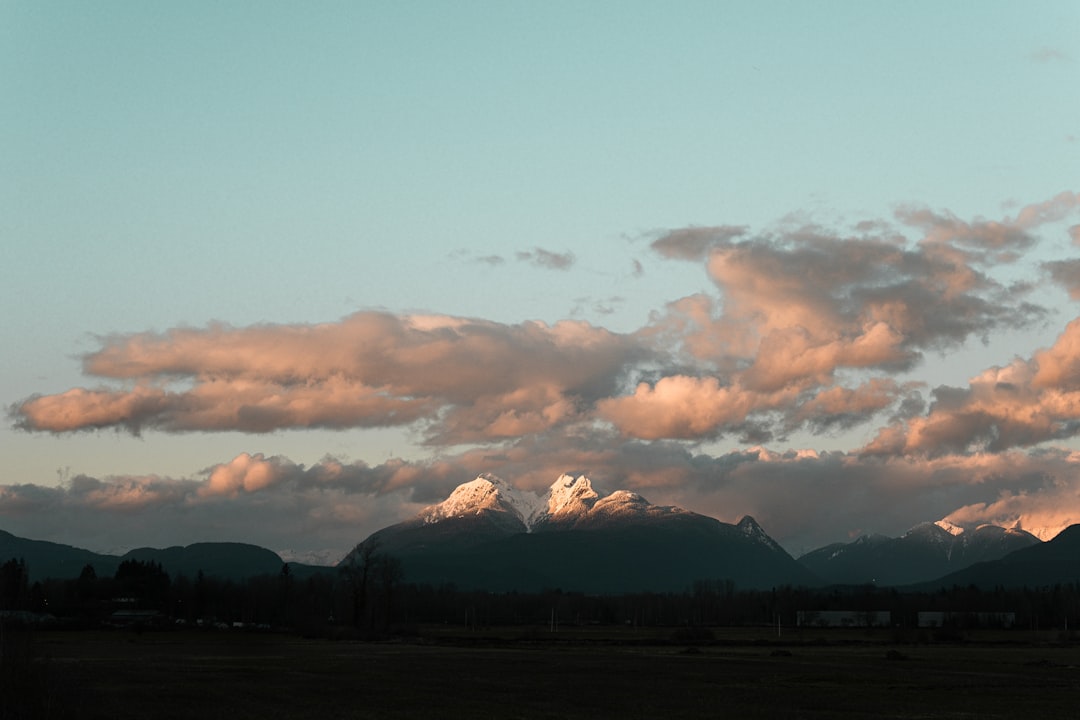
86 585
390 574
147 582
373 579
14 585
357 573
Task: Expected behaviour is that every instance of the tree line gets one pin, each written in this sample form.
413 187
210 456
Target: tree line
370 598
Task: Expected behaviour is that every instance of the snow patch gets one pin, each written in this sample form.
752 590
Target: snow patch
949 527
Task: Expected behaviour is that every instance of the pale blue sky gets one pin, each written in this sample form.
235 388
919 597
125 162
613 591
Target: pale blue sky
172 164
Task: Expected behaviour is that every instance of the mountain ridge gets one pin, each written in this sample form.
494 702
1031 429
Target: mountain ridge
1053 562
576 535
926 551
488 535
229 560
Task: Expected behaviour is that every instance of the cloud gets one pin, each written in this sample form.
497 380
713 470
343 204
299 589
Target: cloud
839 290
1049 55
1044 511
803 499
267 500
1022 404
807 302
245 473
695 243
843 407
248 405
802 312
459 379
547 259
1065 273
806 328
597 306
1052 210
686 408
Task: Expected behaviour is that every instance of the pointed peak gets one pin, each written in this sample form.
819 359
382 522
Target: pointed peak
750 527
748 523
568 486
491 479
571 494
487 493
568 480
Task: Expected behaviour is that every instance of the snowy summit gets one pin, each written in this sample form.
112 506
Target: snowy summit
570 501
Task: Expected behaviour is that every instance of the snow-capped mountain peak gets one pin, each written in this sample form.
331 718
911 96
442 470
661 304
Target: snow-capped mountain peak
751 529
571 502
931 532
570 495
486 493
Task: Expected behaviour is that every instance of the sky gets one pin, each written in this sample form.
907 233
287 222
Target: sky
285 274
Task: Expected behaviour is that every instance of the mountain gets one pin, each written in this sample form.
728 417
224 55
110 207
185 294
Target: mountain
215 559
327 557
927 551
54 560
489 535
1054 562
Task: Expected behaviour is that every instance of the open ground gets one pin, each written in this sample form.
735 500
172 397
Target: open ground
573 673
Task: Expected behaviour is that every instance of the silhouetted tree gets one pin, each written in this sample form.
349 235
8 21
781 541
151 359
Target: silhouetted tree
357 573
14 585
147 582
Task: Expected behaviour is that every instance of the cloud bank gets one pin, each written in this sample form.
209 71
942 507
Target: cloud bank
806 329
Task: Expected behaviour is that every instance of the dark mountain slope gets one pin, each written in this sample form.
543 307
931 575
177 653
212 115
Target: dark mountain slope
226 560
924 552
1055 562
53 560
577 539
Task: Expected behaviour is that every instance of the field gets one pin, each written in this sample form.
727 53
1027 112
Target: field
575 673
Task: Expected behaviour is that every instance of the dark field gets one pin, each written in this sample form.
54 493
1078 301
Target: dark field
572 674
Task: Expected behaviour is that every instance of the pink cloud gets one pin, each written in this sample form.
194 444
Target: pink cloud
79 409
1052 210
1059 365
791 356
246 473
800 320
837 403
1022 404
223 404
465 379
685 407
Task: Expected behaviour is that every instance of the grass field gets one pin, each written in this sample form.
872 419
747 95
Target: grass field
576 673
